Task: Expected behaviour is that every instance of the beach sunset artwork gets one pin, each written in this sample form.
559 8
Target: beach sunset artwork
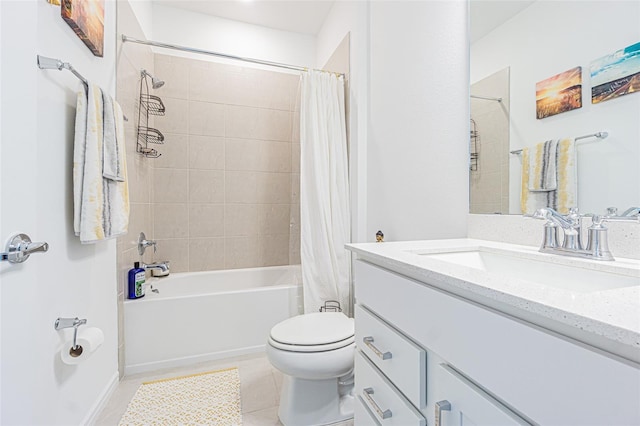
616 75
560 93
86 18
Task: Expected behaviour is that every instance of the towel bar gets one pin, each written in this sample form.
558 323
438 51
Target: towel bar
45 63
599 135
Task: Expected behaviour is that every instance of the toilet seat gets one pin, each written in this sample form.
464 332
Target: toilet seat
317 332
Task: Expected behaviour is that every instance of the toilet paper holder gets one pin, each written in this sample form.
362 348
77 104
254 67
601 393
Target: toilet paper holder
76 322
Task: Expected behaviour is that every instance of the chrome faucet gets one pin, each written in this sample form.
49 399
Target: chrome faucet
597 245
570 224
157 268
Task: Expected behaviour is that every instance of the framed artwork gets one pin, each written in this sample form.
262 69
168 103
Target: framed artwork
560 93
616 75
86 18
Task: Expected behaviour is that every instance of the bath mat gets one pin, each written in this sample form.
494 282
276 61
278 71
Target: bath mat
211 398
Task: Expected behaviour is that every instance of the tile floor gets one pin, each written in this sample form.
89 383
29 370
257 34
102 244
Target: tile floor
259 388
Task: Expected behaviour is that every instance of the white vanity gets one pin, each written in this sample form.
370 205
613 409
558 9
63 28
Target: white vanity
457 332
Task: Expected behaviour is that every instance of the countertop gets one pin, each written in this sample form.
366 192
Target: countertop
606 319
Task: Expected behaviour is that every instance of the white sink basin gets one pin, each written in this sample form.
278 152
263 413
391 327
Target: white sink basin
562 276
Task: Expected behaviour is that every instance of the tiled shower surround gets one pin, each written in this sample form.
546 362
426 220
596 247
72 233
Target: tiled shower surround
489 184
225 192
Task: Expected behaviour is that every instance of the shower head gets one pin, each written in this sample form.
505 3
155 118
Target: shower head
156 83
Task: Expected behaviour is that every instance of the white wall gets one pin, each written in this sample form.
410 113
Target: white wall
38 109
196 30
343 18
551 37
143 10
418 134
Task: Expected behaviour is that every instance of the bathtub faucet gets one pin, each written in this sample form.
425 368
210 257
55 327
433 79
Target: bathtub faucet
158 269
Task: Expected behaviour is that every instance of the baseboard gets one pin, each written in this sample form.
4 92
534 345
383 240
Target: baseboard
101 402
188 360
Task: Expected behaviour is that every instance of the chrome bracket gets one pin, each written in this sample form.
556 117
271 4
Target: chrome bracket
76 322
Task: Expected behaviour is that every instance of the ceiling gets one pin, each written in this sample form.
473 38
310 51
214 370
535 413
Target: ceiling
487 15
299 16
307 16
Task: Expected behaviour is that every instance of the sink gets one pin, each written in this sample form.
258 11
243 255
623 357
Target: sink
557 275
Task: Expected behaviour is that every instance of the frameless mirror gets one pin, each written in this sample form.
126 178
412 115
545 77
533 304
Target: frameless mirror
517 44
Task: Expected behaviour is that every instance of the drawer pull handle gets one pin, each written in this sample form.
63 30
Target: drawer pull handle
386 414
441 406
382 355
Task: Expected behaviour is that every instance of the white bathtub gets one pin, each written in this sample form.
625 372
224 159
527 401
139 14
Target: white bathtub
201 316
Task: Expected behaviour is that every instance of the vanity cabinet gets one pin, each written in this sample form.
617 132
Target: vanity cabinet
491 368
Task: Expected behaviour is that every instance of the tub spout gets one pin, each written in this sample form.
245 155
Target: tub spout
160 269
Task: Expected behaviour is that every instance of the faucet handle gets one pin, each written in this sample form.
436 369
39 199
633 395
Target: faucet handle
143 243
600 219
632 214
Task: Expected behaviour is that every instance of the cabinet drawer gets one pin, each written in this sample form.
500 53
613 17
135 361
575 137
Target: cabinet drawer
401 360
467 403
385 402
361 414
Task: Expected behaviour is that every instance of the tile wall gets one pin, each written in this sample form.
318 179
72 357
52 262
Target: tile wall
225 192
489 184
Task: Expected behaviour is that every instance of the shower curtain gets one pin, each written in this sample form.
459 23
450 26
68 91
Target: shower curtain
324 191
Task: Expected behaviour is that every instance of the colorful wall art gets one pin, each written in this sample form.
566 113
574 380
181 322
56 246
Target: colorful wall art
616 75
86 17
560 93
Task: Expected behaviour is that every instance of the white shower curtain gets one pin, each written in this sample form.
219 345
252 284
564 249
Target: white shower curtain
324 191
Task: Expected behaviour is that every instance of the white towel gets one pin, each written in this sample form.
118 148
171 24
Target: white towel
101 205
542 167
112 152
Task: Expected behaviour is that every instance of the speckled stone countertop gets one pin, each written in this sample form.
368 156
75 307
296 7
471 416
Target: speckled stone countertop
608 319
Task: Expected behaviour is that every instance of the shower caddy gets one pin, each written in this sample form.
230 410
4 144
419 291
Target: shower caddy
149 105
474 147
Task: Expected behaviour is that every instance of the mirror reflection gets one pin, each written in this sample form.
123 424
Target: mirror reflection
522 53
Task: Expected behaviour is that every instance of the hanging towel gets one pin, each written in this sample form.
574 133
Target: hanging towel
101 205
565 195
567 171
112 152
542 167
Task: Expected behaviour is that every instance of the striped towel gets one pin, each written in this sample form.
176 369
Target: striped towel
542 167
565 195
101 204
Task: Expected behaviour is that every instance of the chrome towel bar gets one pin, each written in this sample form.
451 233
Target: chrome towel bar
599 135
45 63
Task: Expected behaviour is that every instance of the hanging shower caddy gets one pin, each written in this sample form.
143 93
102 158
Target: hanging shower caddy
474 147
149 105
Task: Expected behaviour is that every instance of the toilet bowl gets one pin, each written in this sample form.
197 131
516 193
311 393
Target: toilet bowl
315 353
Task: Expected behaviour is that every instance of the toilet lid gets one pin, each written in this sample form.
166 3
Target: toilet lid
321 328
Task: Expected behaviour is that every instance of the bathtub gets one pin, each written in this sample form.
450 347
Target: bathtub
202 316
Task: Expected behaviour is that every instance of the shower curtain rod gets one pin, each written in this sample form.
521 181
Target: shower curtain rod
486 98
599 135
221 55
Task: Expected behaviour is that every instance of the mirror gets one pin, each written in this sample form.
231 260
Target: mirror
516 44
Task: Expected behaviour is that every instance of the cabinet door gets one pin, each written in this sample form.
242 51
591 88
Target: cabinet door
459 402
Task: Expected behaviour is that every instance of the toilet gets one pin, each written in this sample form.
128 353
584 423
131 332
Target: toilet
315 352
